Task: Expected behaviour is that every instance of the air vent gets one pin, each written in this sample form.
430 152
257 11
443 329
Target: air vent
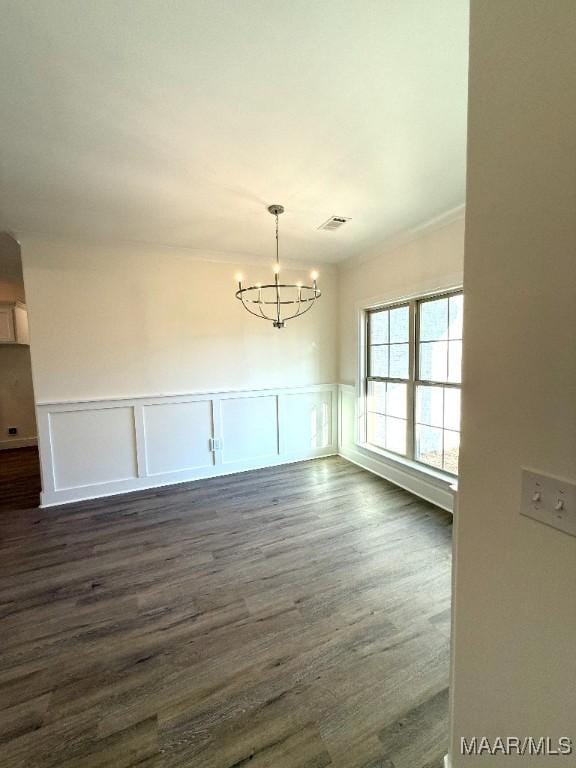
334 222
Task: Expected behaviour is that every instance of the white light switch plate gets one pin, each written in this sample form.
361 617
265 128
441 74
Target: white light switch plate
550 500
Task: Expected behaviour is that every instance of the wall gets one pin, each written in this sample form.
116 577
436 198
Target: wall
11 290
142 356
432 259
10 262
427 260
515 599
132 321
16 393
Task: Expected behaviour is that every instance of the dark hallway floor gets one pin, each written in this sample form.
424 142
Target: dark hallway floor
19 478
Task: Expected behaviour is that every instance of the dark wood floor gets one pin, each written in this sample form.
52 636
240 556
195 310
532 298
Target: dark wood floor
19 478
294 617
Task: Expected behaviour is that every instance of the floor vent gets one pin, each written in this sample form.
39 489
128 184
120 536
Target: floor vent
334 222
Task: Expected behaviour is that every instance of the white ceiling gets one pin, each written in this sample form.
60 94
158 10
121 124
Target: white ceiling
178 121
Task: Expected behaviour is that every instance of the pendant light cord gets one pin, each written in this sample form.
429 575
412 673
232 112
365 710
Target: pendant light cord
277 257
277 274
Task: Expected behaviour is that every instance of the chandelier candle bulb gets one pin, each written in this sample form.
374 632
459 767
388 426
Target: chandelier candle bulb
284 301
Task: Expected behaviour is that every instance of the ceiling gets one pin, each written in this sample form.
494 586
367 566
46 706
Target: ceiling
178 122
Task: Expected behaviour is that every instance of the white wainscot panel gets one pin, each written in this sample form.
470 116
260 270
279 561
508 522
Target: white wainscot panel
347 417
98 448
177 436
249 428
93 446
306 422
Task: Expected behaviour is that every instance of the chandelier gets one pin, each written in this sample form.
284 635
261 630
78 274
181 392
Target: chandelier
278 302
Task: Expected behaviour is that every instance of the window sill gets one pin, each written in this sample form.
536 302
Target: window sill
419 470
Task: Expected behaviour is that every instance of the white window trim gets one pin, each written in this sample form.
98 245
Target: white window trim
452 283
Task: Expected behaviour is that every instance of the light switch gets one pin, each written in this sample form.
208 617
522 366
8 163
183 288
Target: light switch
550 500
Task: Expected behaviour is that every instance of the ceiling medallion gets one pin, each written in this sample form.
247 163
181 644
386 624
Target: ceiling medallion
278 302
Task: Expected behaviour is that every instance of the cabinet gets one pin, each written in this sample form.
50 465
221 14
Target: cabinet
14 323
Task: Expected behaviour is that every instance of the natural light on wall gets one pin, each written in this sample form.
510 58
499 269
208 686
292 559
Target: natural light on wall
319 426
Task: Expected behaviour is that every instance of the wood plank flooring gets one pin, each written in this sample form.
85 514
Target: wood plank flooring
19 478
292 617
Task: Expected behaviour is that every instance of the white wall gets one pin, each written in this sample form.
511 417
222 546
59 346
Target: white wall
430 260
141 356
16 393
138 321
427 260
515 600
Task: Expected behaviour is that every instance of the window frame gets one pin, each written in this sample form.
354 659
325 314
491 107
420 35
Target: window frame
413 380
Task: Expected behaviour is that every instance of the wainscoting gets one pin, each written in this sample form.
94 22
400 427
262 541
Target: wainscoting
104 447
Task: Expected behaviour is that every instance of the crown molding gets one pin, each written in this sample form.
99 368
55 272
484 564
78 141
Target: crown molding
404 237
238 258
251 259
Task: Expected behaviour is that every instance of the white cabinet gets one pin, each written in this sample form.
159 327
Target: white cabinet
14 323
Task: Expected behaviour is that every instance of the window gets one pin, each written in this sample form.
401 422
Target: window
413 378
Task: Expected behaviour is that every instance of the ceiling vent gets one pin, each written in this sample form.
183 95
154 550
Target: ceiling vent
334 222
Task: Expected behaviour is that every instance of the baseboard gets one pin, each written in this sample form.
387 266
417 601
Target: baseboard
74 495
419 487
427 488
91 449
108 447
18 442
